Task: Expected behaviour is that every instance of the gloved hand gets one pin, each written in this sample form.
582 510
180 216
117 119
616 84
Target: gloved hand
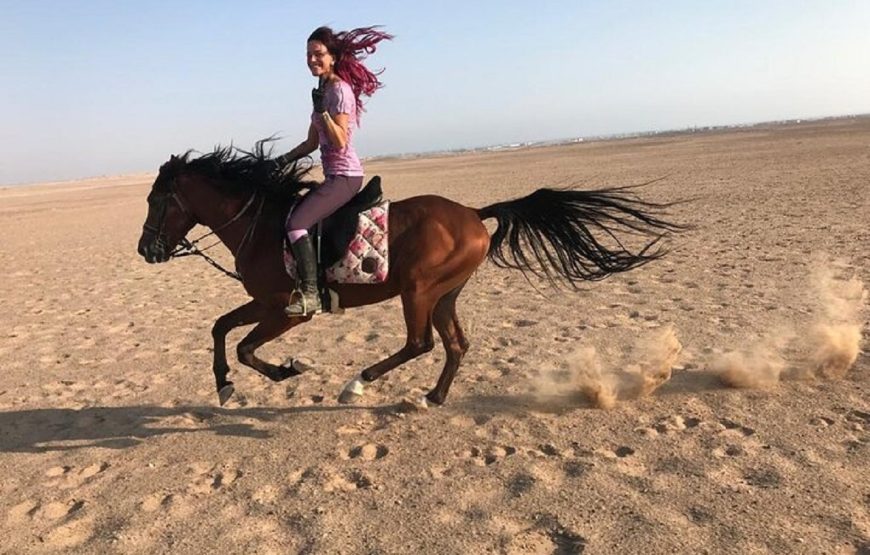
281 165
318 98
284 160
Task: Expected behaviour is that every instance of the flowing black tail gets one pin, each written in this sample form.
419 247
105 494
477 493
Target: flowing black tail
559 229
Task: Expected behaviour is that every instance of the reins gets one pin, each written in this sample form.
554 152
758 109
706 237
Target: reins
186 248
190 248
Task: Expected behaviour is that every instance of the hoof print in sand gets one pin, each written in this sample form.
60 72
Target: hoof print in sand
67 477
576 469
154 502
521 484
492 455
547 536
368 452
347 481
208 479
731 425
763 478
675 423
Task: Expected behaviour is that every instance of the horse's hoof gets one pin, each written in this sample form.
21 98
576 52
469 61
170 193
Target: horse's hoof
284 372
352 392
290 368
349 398
225 393
410 404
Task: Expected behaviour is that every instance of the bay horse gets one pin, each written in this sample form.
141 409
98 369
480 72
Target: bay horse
435 245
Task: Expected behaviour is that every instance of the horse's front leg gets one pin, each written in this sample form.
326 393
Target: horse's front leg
246 314
272 324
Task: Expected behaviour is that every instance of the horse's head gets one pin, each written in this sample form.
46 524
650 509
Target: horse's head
169 217
214 190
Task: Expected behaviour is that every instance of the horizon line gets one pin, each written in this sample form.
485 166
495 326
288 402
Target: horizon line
501 147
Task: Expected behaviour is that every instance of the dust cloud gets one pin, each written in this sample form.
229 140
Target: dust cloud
758 367
826 348
835 340
603 381
655 356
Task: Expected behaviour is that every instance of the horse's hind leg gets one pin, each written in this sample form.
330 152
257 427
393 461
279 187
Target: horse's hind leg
418 319
447 323
248 313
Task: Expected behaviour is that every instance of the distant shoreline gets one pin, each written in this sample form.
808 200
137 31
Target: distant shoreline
505 147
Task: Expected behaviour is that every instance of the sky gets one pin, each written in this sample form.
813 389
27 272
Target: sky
105 87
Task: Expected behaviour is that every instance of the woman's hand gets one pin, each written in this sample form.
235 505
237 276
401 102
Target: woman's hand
283 162
281 167
318 99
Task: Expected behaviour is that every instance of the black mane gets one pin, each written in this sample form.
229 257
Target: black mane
237 171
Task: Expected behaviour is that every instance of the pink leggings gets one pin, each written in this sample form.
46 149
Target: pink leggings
320 202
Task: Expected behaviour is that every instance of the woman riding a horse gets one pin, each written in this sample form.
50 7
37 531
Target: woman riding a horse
336 60
435 244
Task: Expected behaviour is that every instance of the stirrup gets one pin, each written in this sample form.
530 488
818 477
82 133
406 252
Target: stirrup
302 301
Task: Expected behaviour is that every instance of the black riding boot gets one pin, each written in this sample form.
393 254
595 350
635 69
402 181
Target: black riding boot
306 269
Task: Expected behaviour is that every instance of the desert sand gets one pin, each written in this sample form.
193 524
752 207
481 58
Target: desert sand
600 421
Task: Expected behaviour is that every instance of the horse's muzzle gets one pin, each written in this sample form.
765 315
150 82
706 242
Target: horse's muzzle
153 249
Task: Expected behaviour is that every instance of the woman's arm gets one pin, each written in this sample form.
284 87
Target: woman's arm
304 148
336 128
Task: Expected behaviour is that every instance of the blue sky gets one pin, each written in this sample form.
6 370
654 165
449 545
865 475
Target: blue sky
105 87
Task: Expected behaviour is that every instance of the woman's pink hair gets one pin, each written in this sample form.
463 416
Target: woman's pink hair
350 48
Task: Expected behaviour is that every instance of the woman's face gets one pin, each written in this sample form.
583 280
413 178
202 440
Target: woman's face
320 61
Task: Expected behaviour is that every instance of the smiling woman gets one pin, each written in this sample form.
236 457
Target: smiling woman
336 59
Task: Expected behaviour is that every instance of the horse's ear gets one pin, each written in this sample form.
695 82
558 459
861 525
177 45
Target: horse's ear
169 164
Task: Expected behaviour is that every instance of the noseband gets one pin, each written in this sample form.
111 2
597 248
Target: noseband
161 211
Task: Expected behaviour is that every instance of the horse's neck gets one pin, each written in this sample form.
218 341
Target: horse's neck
229 217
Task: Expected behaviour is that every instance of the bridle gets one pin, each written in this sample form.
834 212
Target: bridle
188 248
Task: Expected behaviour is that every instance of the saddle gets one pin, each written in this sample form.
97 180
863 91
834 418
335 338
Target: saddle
339 229
352 243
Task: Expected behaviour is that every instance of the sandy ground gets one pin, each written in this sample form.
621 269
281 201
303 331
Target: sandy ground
111 440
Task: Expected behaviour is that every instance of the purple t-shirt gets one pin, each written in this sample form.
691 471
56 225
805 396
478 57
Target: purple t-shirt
338 161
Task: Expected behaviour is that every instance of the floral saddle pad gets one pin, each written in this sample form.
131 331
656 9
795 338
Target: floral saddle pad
367 257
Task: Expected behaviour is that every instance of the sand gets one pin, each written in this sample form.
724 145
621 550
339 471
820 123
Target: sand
111 440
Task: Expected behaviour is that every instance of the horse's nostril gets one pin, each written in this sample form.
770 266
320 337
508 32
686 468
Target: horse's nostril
152 251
